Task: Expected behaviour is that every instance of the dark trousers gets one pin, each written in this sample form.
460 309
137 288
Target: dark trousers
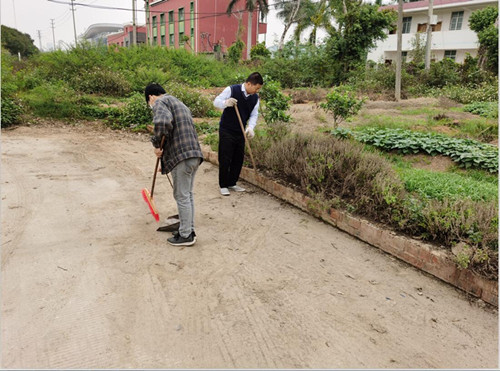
231 154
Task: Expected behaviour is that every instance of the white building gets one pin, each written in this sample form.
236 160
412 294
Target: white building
451 37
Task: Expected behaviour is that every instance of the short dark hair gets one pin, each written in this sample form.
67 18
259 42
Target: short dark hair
255 79
153 89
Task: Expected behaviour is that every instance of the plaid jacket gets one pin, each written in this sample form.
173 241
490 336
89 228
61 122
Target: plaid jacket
173 119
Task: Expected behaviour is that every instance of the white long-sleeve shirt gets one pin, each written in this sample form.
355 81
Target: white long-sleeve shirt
226 94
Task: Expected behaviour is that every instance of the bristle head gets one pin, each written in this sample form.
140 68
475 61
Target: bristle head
149 200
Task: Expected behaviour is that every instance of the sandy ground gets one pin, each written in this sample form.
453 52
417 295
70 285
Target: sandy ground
87 282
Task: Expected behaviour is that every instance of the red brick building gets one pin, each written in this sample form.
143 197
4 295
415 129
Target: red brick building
125 37
199 25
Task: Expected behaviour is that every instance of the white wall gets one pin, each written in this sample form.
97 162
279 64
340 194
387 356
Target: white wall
463 41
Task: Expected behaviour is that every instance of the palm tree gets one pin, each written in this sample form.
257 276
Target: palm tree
289 13
316 15
250 6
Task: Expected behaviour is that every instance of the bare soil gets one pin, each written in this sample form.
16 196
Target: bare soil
87 282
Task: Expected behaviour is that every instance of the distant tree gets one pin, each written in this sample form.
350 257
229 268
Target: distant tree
289 13
315 15
250 6
359 26
485 23
17 42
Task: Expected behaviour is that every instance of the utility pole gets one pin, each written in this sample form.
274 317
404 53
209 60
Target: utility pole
398 52
53 35
74 24
428 44
146 7
134 28
15 19
39 39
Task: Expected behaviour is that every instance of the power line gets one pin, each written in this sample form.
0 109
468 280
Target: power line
158 11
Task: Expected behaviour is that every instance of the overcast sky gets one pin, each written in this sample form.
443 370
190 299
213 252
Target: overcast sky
31 16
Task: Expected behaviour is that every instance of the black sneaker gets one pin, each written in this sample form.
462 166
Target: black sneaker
176 233
178 240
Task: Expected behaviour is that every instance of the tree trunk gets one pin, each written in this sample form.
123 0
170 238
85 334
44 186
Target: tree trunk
293 14
428 44
398 52
249 33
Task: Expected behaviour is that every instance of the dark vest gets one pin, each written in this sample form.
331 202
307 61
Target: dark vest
229 120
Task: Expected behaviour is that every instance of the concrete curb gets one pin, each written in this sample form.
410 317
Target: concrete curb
439 263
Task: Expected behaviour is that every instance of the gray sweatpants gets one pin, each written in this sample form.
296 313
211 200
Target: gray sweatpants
183 181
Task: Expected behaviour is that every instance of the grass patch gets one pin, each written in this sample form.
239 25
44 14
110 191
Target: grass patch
452 186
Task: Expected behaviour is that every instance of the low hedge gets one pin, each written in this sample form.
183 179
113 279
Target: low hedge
342 174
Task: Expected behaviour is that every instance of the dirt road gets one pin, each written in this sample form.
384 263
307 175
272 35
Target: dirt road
87 282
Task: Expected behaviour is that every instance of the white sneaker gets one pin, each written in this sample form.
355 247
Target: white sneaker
224 191
237 188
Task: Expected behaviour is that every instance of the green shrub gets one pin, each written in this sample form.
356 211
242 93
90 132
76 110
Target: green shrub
259 51
484 92
342 103
54 100
11 108
234 52
135 114
444 72
101 81
199 104
276 104
484 109
11 111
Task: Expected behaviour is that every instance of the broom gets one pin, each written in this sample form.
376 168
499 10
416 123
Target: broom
148 197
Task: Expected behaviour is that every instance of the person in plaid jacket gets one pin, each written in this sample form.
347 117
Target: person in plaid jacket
181 155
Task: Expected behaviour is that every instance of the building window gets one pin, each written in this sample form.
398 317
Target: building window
451 54
154 29
406 24
162 28
404 55
456 20
181 27
171 29
192 24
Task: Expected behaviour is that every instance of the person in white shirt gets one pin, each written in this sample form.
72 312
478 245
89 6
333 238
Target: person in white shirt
231 138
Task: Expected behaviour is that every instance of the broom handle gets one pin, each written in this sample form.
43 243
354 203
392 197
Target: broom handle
156 167
245 136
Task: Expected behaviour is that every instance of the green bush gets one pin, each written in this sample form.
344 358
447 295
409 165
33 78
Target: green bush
11 108
342 103
199 104
442 73
101 81
55 100
259 51
11 111
484 109
135 114
276 104
484 92
234 52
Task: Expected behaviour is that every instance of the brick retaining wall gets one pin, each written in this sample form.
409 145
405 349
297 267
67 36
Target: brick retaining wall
439 263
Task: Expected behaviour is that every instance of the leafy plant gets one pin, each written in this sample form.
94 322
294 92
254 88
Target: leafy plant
235 51
276 104
135 114
484 109
342 103
259 51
